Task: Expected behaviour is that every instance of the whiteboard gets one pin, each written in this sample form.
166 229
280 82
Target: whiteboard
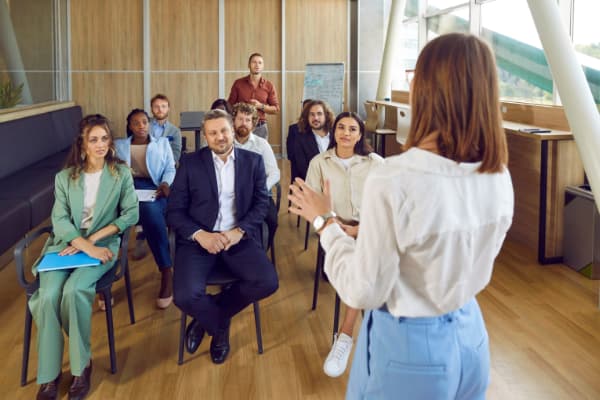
325 82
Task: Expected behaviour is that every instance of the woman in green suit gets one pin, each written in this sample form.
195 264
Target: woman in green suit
94 201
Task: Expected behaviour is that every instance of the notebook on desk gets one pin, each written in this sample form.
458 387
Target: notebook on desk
52 261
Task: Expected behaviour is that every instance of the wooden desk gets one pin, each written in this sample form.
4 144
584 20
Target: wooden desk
541 166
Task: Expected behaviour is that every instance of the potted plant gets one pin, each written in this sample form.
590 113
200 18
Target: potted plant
10 95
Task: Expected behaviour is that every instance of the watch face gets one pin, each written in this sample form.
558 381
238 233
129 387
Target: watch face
318 223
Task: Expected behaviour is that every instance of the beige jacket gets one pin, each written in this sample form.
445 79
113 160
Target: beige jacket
346 185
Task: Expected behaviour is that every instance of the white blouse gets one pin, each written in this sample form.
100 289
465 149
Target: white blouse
91 182
430 230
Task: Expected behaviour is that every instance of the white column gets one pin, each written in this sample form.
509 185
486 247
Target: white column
10 49
390 51
573 88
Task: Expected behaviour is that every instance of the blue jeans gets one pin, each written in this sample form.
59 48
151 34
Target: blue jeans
445 357
152 219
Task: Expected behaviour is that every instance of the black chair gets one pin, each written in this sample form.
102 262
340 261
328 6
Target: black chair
103 287
222 277
320 264
271 242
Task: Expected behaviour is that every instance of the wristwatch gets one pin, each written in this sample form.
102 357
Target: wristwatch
319 222
262 108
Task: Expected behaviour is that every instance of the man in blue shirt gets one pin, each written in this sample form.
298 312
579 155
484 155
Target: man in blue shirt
161 127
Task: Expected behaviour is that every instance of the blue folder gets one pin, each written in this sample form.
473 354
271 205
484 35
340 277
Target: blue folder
52 261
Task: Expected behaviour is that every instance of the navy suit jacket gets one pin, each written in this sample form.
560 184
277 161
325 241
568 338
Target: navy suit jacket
305 149
194 199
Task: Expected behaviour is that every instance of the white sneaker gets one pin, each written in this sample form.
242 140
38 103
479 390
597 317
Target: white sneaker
337 359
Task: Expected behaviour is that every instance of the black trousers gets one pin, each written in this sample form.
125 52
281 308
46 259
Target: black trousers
246 260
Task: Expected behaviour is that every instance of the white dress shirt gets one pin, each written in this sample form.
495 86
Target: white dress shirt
225 171
322 142
430 229
259 145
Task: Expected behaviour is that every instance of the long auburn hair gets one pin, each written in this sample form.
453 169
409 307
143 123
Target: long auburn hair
455 93
361 147
304 126
77 160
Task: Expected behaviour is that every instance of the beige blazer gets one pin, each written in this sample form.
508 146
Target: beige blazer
346 185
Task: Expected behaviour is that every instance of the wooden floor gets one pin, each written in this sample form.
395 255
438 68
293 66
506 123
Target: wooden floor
543 322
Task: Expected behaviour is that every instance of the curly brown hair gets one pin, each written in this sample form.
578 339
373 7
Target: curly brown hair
77 161
303 124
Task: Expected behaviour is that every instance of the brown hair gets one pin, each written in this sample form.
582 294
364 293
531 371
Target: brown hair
254 55
76 161
245 108
455 93
160 97
361 147
303 124
216 114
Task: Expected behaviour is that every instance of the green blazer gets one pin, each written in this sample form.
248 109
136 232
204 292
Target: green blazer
116 204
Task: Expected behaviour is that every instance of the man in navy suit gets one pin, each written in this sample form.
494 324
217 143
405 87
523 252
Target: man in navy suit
217 204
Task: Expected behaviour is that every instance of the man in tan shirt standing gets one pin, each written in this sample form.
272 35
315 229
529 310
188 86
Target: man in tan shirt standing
256 90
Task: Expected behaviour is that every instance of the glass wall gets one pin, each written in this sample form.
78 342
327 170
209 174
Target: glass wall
586 39
32 62
523 70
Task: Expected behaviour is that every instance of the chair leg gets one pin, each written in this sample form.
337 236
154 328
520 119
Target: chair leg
111 331
306 235
318 272
129 296
258 328
316 284
182 337
336 315
273 255
26 343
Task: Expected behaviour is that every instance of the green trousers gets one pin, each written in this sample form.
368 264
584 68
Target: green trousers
64 301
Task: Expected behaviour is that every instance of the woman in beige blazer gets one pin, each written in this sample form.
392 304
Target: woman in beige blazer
94 202
346 164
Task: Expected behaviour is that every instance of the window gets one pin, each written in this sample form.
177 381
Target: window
32 34
456 20
523 70
437 5
586 39
407 56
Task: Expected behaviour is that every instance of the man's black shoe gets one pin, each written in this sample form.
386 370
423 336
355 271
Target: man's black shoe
219 345
193 336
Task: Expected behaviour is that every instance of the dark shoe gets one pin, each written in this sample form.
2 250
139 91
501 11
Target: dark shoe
49 391
193 336
81 384
219 345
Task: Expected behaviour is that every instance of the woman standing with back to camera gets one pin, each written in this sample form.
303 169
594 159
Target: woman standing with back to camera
432 222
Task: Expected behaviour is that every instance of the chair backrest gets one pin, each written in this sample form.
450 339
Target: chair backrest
29 286
191 119
277 188
372 122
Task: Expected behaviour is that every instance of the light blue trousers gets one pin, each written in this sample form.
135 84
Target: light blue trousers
444 357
